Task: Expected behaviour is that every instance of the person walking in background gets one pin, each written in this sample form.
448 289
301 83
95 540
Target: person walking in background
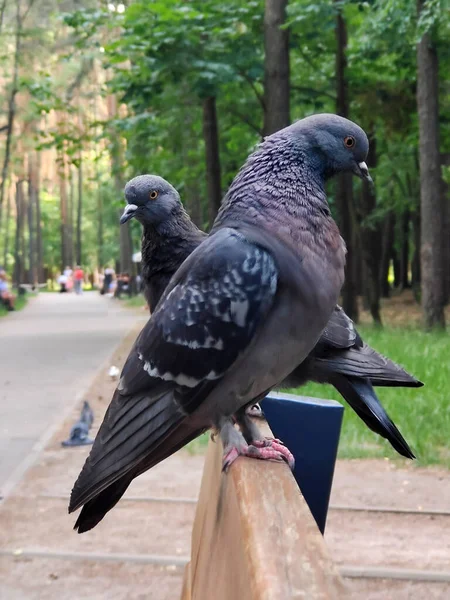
108 280
63 280
78 278
6 297
68 274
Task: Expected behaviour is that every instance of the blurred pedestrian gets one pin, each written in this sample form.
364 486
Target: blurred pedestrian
62 281
68 274
108 280
7 298
78 278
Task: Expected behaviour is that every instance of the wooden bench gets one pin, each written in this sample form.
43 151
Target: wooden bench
254 537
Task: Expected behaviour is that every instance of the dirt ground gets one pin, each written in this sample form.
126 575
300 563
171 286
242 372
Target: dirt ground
138 550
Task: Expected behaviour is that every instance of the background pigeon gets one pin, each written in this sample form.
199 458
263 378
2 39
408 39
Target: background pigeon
244 309
340 357
80 430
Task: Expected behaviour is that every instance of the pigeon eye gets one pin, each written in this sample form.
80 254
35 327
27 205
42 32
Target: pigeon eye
349 141
153 195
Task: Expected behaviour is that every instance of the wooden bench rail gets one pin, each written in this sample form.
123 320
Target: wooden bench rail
254 537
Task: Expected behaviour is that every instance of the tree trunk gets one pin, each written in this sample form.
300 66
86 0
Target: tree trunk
386 253
415 262
39 250
63 203
78 252
344 185
445 161
71 215
11 104
276 67
404 254
432 228
370 238
7 225
18 256
100 255
116 156
32 277
212 157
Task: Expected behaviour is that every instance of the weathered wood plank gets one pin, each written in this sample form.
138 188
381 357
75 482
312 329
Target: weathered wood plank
254 537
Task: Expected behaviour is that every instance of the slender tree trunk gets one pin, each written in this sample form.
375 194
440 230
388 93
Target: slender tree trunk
9 202
404 254
39 249
78 252
2 14
445 161
11 104
100 255
212 156
71 208
432 249
386 253
32 277
415 262
276 67
65 235
370 239
344 184
18 256
116 156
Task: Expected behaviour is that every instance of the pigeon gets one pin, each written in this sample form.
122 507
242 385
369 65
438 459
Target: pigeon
340 357
242 311
80 430
169 234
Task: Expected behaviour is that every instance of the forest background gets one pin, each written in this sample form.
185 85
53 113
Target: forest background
94 93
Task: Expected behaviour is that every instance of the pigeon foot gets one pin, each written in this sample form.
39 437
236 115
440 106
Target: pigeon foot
277 446
262 449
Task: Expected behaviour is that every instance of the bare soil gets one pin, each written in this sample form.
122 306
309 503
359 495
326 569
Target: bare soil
36 537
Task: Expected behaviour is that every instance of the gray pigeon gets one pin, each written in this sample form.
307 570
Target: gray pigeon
244 309
169 234
339 358
79 432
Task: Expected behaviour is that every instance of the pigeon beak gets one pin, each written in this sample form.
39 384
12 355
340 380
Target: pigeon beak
362 170
128 213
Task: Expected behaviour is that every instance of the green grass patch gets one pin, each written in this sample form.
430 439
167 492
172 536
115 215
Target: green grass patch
21 301
421 414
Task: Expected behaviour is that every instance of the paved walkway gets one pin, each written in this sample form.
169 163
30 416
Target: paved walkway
49 353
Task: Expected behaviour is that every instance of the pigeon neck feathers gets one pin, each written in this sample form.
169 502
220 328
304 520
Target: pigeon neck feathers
164 247
281 188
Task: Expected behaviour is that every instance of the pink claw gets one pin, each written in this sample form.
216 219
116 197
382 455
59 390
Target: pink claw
279 448
262 449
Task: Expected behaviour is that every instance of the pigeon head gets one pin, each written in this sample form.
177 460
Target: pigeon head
150 199
333 144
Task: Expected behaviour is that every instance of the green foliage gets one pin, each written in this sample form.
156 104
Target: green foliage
160 59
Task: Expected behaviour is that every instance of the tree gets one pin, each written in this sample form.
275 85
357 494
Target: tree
432 208
344 186
212 156
276 67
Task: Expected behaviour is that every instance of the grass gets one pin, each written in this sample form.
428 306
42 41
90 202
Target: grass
21 301
421 414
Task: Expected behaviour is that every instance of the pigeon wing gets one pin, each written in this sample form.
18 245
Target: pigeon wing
204 322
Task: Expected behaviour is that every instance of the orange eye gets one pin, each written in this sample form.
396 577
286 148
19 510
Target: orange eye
153 195
349 141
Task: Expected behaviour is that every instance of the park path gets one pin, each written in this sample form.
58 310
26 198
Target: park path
49 352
